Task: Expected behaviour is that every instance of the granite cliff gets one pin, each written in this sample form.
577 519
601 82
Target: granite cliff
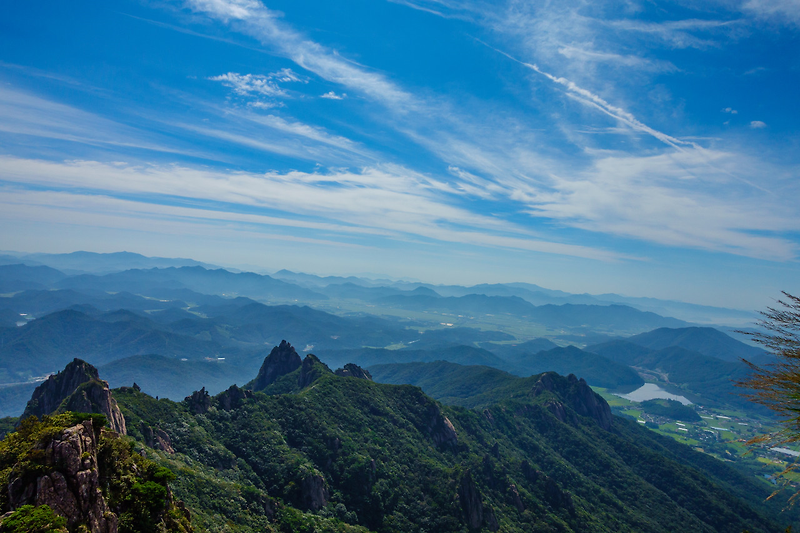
77 388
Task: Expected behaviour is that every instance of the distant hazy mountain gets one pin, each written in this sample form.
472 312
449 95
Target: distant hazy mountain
703 379
707 341
168 377
617 318
597 370
19 277
43 302
98 263
47 344
198 279
511 352
464 355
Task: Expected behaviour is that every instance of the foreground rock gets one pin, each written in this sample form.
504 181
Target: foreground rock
72 488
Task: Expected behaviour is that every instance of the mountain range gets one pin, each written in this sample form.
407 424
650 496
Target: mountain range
302 448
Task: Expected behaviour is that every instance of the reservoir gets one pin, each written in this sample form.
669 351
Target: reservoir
651 391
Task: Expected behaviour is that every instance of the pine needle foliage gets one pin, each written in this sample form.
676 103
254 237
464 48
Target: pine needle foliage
777 385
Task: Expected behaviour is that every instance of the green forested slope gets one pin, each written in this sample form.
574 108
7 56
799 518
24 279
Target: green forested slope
389 458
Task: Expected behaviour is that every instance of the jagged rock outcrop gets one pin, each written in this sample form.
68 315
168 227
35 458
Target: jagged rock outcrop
156 439
516 499
76 388
72 488
311 369
233 398
314 492
199 402
577 395
354 371
440 428
282 360
470 499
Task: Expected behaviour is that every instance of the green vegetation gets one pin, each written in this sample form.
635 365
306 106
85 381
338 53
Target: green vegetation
353 453
7 425
134 487
670 409
30 519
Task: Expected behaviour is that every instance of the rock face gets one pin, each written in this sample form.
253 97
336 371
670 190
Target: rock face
440 428
470 498
233 398
282 360
354 371
315 493
76 388
199 402
72 489
577 395
156 439
311 369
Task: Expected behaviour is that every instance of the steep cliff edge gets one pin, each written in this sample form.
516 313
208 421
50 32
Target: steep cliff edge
77 388
89 476
576 394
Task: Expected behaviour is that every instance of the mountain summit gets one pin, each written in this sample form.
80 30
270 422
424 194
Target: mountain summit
282 360
76 388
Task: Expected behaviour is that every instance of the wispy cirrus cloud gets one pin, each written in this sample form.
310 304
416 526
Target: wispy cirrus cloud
395 201
780 11
252 18
633 61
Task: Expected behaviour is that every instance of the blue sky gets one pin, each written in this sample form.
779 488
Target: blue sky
644 148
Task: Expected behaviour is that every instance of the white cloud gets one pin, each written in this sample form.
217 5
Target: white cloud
248 84
330 95
260 86
22 113
674 199
580 54
260 104
588 98
780 11
252 18
388 199
757 124
730 110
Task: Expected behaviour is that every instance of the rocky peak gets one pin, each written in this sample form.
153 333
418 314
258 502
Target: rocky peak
282 360
311 370
574 393
199 402
354 371
76 388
